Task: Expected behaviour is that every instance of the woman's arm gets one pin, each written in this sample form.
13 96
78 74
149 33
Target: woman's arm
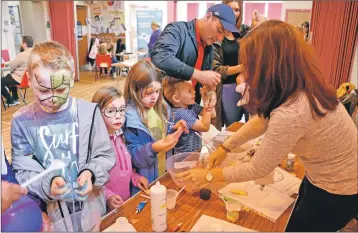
254 128
283 132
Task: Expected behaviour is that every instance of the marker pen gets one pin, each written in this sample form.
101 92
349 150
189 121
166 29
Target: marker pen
140 207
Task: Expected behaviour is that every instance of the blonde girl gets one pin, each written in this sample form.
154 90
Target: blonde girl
146 116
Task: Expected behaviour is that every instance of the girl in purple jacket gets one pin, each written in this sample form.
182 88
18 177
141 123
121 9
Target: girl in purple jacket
113 109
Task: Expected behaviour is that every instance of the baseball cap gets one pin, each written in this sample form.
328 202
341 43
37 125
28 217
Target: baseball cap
226 16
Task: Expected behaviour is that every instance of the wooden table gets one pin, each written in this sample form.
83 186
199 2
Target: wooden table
190 207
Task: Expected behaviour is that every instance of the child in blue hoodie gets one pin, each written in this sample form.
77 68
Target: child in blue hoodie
145 129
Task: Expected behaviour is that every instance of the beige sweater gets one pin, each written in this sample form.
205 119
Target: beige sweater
326 146
19 64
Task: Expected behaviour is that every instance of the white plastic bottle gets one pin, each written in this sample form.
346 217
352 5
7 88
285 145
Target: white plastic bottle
158 200
290 162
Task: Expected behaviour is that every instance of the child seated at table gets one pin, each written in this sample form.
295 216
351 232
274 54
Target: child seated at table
58 126
181 96
113 107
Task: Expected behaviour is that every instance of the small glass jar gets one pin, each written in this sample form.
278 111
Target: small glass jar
233 211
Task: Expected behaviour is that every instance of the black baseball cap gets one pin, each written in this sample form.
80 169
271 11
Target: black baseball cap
226 16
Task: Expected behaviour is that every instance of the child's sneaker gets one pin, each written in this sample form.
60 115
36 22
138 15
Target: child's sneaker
11 103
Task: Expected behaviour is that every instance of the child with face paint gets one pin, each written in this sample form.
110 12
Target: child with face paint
113 108
58 126
146 121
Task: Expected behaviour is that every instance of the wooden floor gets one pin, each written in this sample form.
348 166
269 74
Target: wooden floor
84 89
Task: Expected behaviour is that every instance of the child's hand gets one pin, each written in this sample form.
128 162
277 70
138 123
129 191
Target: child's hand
114 202
85 177
167 143
142 183
58 186
182 125
210 104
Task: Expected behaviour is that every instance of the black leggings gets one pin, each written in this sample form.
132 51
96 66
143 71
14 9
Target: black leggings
318 210
9 82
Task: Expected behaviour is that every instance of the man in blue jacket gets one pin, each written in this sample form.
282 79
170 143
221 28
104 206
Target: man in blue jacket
184 49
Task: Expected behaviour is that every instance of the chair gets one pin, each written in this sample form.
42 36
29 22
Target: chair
23 85
5 55
3 102
102 61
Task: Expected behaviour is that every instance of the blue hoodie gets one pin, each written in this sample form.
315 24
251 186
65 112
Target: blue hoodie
139 144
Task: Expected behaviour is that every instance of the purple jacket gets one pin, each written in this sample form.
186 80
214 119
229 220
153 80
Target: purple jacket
122 174
153 38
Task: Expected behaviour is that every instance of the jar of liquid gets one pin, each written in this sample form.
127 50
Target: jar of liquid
232 211
290 163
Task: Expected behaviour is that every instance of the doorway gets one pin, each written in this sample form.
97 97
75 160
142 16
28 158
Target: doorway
82 40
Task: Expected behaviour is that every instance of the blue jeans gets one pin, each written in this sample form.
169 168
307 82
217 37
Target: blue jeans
114 60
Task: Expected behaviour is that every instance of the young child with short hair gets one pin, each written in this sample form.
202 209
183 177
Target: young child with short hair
181 96
58 126
113 108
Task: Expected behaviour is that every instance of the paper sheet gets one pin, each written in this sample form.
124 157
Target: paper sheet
207 224
285 182
269 202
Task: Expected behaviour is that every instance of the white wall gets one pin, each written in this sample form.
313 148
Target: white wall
7 36
354 74
46 8
130 8
34 17
294 5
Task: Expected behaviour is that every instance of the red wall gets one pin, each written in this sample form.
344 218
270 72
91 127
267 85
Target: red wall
193 11
274 10
172 11
63 25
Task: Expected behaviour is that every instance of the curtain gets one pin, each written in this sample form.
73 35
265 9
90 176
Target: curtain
62 20
334 35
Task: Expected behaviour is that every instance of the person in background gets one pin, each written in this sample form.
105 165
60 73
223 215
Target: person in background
102 50
58 126
306 28
93 50
120 48
257 18
147 114
181 96
154 36
113 107
184 49
111 51
18 67
226 62
299 113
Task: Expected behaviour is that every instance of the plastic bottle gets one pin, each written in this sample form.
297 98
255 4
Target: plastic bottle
290 163
158 200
